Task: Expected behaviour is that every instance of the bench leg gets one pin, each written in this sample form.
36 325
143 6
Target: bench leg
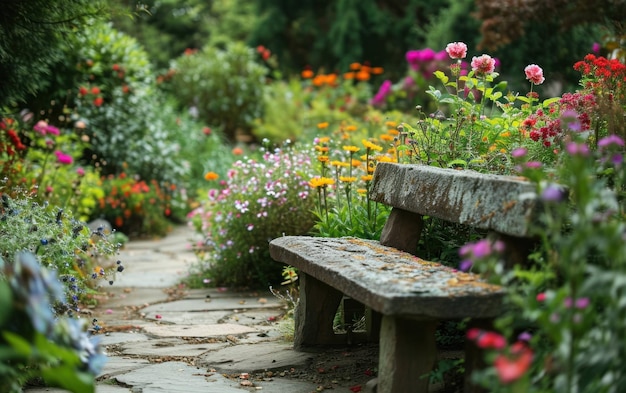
407 352
315 313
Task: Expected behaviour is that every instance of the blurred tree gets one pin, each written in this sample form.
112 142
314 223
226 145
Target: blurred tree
31 33
504 21
167 27
334 33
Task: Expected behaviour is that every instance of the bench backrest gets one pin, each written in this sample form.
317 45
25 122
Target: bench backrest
501 203
504 204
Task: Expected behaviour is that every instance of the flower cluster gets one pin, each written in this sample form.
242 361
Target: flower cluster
134 206
256 202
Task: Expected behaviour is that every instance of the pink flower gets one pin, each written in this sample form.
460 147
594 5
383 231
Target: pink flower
483 65
541 297
80 171
519 152
456 50
63 158
534 73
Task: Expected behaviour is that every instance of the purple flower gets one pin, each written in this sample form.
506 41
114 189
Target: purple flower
519 152
595 48
582 302
533 165
466 265
577 149
610 140
524 336
552 193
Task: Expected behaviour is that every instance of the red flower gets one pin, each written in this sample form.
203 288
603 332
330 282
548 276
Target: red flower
98 101
95 90
356 388
83 91
116 67
512 367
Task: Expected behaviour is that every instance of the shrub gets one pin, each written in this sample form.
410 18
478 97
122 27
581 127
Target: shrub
225 87
258 201
122 110
60 243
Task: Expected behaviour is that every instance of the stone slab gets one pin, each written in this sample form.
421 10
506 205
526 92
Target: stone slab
169 347
121 338
254 357
102 388
186 318
119 365
176 377
216 330
234 303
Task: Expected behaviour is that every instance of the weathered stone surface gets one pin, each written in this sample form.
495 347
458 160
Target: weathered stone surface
220 329
169 347
253 358
176 377
505 204
389 281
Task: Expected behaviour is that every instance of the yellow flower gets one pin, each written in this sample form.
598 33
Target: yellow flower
347 179
339 163
352 149
356 163
322 158
391 124
361 191
505 134
393 131
321 149
371 146
322 126
324 139
351 128
386 137
211 176
384 159
318 182
367 178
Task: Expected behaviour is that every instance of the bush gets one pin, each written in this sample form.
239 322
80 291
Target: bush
225 87
260 200
60 243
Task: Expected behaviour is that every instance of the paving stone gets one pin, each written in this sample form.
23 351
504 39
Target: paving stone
216 330
124 296
186 318
176 377
118 338
254 357
169 347
235 303
118 365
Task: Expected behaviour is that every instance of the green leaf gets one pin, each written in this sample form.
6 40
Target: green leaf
550 101
441 76
19 344
457 163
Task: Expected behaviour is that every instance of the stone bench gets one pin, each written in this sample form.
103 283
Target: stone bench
408 296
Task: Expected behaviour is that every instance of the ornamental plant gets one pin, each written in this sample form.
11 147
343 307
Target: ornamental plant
344 175
562 331
260 199
58 242
135 207
36 345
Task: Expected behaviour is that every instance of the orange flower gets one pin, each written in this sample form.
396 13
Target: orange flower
211 176
362 75
322 158
386 137
348 75
351 128
355 66
237 151
319 80
321 126
377 70
307 74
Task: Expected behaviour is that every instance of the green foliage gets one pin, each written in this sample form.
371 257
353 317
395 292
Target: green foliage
122 109
32 35
225 87
259 200
36 345
59 242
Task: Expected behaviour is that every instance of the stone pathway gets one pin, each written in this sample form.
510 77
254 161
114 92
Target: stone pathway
161 338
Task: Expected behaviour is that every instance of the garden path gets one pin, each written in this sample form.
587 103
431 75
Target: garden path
161 337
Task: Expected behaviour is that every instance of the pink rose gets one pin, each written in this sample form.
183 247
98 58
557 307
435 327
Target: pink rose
534 73
483 64
456 50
